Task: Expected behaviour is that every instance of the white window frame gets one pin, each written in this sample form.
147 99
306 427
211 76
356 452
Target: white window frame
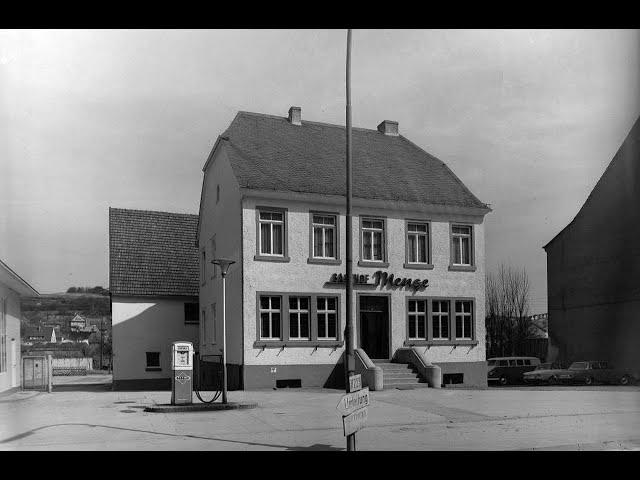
322 315
418 235
460 236
297 312
324 227
371 231
271 222
203 313
443 318
462 315
270 310
415 316
214 315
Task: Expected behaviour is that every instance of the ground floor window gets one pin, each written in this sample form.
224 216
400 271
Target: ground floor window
153 361
270 318
464 320
297 319
417 317
436 321
327 318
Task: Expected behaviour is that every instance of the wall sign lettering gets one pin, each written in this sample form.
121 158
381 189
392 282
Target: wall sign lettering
382 279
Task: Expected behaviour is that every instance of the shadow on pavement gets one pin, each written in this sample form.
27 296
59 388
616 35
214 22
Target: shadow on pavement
315 447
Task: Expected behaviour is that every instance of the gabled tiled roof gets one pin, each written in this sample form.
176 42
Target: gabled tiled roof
269 153
152 253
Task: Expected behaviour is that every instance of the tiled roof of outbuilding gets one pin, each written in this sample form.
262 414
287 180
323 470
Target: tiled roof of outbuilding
152 253
269 153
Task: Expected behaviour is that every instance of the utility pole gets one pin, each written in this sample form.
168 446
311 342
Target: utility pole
348 330
101 330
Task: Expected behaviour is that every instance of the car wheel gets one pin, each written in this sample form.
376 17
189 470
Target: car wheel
503 380
553 380
588 381
624 380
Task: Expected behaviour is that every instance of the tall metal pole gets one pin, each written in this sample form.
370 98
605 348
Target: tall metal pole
224 340
348 331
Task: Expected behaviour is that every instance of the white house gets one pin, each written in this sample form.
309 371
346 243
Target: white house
153 276
12 286
273 200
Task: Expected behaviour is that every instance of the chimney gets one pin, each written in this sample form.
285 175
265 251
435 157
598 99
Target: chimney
388 127
295 116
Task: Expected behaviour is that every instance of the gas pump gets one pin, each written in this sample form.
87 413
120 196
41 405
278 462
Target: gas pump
181 373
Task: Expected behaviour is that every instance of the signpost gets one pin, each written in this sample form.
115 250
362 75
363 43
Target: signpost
353 406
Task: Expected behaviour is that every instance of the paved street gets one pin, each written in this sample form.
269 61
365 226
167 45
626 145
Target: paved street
90 417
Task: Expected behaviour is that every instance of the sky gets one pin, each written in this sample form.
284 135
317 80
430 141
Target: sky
527 119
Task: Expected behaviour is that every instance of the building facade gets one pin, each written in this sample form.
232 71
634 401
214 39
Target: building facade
153 279
12 287
273 201
593 270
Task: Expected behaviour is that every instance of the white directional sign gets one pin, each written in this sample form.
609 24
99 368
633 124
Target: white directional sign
353 401
355 383
355 421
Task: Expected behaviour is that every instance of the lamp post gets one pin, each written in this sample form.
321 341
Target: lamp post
224 265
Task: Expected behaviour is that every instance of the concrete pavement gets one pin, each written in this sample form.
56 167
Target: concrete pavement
306 419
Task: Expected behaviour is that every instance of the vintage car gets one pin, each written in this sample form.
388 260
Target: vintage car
545 373
590 372
506 370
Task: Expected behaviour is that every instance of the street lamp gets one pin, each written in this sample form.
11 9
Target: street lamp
224 265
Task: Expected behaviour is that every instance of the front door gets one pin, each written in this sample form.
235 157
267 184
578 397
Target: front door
374 326
14 363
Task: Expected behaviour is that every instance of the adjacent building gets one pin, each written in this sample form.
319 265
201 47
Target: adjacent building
12 287
593 269
153 280
273 200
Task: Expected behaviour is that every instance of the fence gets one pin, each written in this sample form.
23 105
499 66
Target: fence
72 366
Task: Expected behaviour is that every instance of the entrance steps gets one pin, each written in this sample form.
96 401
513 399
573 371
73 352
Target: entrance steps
400 375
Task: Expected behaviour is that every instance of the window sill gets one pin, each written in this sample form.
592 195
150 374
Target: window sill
266 258
418 266
153 369
434 343
462 268
324 261
364 263
298 343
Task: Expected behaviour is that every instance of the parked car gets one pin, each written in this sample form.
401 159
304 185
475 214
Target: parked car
548 373
506 370
590 372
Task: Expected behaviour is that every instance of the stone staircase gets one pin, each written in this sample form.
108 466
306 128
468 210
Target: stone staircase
400 375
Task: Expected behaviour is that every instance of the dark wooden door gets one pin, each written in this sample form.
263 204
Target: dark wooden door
374 326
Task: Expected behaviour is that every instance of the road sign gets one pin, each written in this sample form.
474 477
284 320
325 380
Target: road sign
355 421
353 401
355 383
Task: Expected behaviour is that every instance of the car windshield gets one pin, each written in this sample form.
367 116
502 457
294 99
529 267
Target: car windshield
492 363
579 366
543 366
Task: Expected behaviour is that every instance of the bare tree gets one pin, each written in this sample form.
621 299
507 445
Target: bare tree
507 310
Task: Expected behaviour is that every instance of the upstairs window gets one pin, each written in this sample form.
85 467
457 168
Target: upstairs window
461 245
372 240
324 236
271 233
417 243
